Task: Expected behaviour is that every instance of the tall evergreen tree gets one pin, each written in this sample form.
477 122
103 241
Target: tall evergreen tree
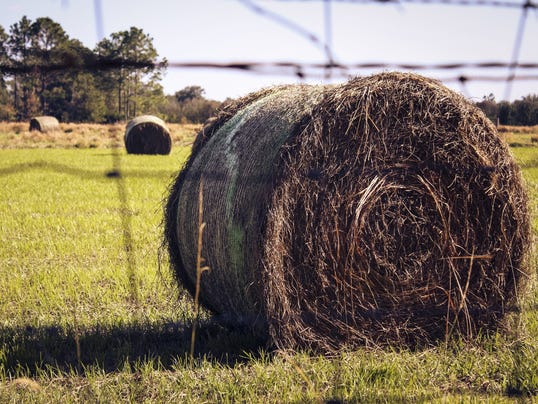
73 95
23 85
51 74
6 109
525 110
130 83
42 86
47 38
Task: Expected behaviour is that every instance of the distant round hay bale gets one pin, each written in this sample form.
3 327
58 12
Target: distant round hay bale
147 134
44 124
385 210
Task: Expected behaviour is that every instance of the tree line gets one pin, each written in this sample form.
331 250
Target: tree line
522 112
45 72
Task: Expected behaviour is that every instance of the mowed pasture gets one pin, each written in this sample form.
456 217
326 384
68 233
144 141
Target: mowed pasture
90 312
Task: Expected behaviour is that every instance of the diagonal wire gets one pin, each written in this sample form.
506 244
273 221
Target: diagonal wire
98 10
327 19
277 18
517 48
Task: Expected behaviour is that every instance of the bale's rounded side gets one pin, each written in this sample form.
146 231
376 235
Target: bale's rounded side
235 157
44 124
383 210
402 211
147 134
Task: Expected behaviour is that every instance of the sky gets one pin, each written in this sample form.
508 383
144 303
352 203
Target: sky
228 31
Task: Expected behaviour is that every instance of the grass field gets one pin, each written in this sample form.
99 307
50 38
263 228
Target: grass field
90 313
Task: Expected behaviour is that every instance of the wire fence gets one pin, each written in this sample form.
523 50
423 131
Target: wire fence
515 70
506 71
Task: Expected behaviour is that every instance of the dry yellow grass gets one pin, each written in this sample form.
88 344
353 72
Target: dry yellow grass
528 130
519 135
16 135
26 383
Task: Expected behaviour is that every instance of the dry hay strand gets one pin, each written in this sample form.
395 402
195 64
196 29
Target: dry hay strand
44 124
147 134
385 210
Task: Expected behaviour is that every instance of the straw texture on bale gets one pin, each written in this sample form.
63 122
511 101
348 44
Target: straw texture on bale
44 124
383 210
147 134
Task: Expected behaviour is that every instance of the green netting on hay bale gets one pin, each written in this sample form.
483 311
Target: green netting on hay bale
44 124
383 210
147 134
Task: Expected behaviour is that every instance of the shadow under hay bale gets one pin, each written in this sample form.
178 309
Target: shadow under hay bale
385 210
147 134
44 124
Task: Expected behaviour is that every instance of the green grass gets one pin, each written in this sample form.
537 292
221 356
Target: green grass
527 158
88 314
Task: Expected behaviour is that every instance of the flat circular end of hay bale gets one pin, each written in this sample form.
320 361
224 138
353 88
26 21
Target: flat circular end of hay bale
147 134
385 210
44 124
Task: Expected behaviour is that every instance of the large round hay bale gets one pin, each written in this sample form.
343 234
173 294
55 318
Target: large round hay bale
147 134
44 124
383 210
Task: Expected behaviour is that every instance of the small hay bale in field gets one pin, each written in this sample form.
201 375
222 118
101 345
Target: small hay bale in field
147 134
44 124
385 210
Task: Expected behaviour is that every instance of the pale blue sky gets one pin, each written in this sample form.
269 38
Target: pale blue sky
228 31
